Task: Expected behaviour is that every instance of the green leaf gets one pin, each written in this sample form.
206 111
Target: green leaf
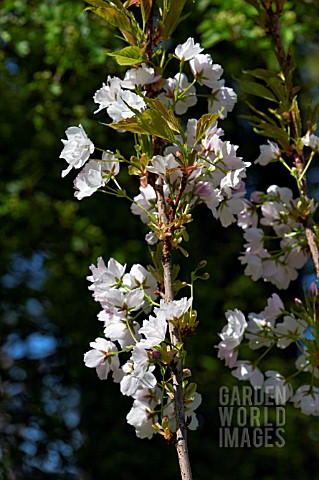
146 6
261 73
157 120
97 3
262 115
128 55
204 123
277 133
253 88
314 116
171 16
112 15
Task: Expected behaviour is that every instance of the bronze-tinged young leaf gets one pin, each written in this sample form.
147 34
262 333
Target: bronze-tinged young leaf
129 55
171 16
165 113
157 120
97 3
204 123
254 88
128 124
146 6
114 16
146 123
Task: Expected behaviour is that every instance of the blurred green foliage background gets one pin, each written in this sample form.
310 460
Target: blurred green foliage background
57 420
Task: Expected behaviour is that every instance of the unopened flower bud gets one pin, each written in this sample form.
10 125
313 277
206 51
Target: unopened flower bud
202 264
313 289
187 373
156 354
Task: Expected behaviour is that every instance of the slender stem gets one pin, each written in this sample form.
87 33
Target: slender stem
163 220
284 60
177 370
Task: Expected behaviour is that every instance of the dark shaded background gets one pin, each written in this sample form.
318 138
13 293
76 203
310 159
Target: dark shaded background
57 420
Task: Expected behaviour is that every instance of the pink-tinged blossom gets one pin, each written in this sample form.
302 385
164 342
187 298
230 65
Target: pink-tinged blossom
307 399
151 238
209 195
259 331
274 309
77 148
212 138
254 238
232 334
229 208
290 330
165 167
282 275
268 153
205 71
138 77
147 200
248 216
276 387
246 371
188 50
227 354
307 362
178 87
102 357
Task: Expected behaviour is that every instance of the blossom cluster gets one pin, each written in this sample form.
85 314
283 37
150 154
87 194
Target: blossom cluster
280 226
215 175
277 327
125 297
192 166
215 178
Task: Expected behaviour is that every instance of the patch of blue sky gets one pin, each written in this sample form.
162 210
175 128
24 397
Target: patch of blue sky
22 269
34 347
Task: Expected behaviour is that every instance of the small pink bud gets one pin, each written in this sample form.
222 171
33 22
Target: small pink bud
156 354
313 289
298 301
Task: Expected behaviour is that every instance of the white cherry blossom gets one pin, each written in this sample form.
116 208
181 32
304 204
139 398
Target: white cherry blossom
188 50
102 357
232 334
77 148
268 153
